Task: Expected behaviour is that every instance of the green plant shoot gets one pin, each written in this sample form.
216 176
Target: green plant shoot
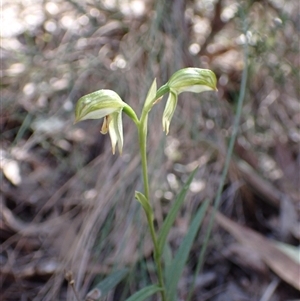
108 104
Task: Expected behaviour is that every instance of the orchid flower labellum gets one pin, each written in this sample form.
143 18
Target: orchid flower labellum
105 104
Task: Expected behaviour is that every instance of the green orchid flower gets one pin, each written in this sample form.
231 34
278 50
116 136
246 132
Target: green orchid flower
105 104
186 80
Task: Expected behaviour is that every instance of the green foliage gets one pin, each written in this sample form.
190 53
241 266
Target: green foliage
168 222
175 269
111 281
145 293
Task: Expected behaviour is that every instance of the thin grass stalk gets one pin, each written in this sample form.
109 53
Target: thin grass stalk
228 156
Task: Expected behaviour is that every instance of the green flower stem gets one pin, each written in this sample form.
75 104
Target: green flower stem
162 91
142 130
157 258
130 112
143 152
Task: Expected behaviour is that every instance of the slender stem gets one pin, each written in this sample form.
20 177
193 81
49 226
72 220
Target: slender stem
227 160
143 152
156 256
130 112
142 129
162 91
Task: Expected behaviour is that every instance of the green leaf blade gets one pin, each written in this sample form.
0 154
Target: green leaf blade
144 293
173 273
169 221
111 281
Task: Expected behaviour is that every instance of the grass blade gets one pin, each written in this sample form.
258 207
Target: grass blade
175 270
144 293
169 221
111 281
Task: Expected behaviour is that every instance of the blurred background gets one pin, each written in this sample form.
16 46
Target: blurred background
67 204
